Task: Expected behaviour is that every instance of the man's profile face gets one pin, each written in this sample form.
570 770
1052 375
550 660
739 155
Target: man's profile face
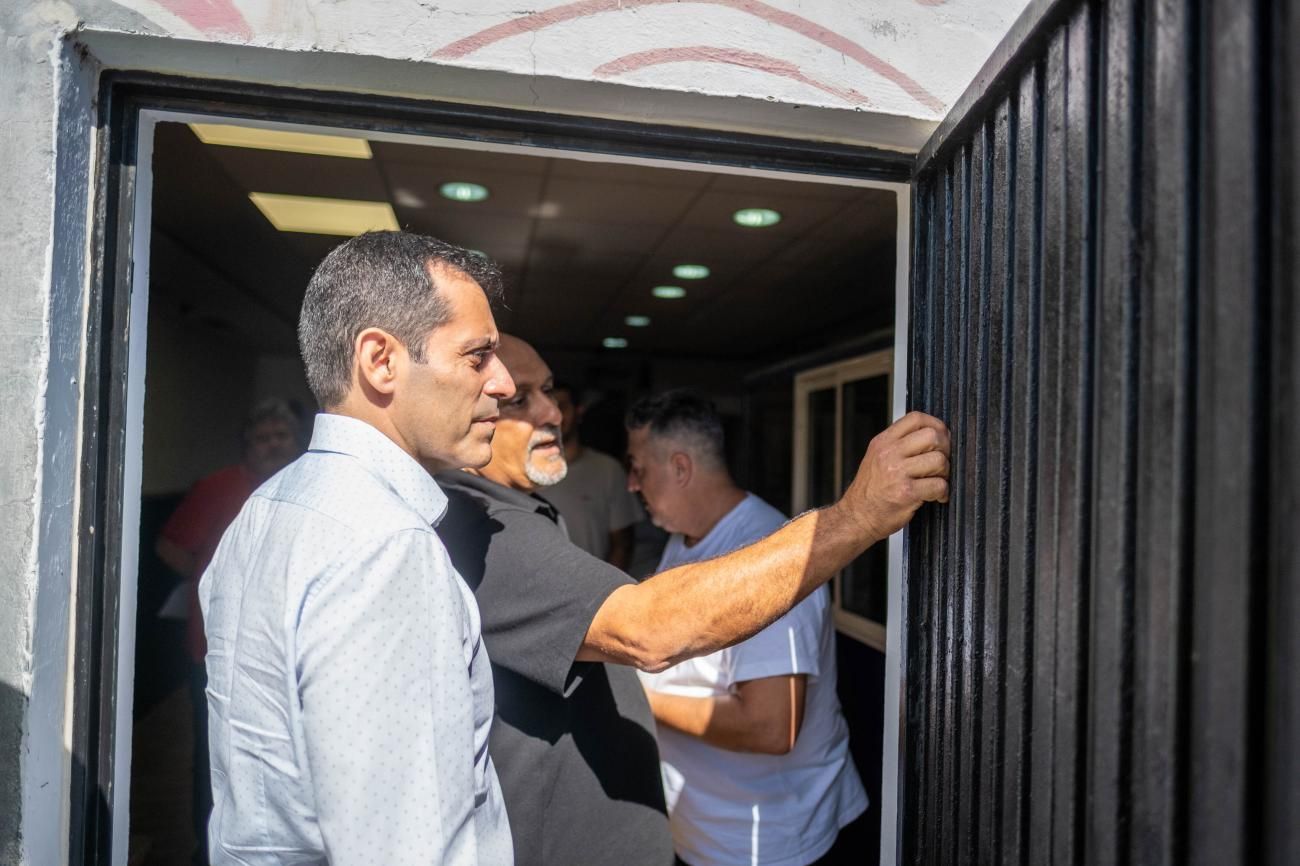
269 447
528 451
650 474
568 412
448 404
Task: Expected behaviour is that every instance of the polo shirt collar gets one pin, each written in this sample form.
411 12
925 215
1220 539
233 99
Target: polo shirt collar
340 434
499 495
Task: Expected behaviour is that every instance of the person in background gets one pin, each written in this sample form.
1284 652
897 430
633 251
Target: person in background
598 511
573 737
271 439
754 748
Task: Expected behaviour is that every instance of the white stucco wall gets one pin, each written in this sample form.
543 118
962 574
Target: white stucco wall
878 72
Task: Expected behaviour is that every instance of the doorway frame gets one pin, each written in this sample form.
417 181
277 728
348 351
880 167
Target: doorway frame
110 445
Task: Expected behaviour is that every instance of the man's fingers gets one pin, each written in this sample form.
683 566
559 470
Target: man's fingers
931 489
914 421
931 464
924 439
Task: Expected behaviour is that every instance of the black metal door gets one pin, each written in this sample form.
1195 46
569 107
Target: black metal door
1101 663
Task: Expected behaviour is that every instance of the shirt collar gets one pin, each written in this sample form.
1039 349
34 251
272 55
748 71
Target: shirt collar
498 495
340 434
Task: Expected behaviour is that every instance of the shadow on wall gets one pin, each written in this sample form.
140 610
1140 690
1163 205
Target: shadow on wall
12 704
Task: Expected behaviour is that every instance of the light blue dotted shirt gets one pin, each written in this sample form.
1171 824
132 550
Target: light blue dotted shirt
349 693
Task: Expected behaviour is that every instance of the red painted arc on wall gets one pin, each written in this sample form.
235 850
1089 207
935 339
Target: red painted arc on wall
712 54
532 22
210 16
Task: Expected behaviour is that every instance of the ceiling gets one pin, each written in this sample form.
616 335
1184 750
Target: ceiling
581 245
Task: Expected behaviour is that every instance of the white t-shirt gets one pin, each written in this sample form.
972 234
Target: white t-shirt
738 808
594 500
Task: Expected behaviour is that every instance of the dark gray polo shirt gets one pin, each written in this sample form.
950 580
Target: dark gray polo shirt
573 742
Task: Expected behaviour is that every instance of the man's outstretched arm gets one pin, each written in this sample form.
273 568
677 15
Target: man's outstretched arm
702 607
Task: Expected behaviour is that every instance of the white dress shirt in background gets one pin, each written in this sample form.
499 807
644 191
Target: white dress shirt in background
349 693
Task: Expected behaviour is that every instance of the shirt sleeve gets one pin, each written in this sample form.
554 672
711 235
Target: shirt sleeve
786 647
383 664
537 592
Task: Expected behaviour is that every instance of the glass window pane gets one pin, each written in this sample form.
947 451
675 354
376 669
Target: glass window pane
821 448
864 585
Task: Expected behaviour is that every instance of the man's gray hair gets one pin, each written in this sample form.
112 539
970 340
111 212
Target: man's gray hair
378 280
685 416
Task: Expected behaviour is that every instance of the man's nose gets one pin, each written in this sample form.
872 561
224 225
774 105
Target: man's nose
549 412
499 384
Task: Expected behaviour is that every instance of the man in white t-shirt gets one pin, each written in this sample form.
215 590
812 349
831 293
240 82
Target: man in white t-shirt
754 747
593 498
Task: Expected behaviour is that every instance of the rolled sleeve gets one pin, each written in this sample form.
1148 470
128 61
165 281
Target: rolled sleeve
383 668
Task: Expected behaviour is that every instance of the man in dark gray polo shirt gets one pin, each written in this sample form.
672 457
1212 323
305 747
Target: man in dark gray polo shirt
573 738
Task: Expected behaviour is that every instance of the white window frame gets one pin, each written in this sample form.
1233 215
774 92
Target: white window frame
836 376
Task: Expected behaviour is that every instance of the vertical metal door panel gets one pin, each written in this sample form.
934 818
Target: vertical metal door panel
958 284
1043 625
1282 812
1118 260
998 421
1023 360
1229 461
1163 495
971 461
1102 659
1072 469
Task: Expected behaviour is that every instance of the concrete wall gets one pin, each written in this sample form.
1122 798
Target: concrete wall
878 73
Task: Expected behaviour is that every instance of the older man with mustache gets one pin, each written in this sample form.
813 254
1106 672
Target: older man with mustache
573 738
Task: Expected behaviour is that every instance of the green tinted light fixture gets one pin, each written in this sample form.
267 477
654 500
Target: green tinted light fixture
756 217
614 343
637 321
690 272
461 191
668 293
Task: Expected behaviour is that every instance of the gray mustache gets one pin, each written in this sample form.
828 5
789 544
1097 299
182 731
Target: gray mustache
545 435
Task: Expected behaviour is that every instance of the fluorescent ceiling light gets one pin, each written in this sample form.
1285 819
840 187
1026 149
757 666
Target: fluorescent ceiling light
690 272
614 343
670 293
756 217
275 139
637 321
460 191
324 216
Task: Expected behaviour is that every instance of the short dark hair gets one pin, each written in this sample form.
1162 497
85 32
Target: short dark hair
378 280
681 414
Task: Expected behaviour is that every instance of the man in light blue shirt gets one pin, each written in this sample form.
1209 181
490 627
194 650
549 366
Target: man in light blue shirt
349 692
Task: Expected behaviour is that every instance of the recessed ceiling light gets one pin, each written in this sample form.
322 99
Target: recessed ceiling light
479 253
276 139
459 190
690 272
614 343
756 217
637 321
670 293
324 216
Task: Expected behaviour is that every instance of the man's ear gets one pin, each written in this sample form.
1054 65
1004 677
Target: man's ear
379 356
682 467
